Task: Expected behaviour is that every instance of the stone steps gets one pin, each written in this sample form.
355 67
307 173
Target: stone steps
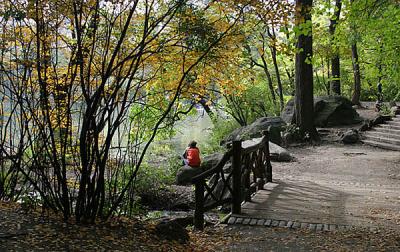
381 139
385 136
394 122
385 130
382 145
390 126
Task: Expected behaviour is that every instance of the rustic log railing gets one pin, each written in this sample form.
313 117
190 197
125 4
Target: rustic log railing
250 169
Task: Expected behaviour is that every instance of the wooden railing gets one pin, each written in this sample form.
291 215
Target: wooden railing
250 169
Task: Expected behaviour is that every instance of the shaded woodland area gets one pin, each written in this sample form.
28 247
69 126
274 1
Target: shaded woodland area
91 89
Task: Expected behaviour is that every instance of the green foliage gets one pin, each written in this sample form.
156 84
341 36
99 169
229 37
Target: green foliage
303 28
5 181
154 215
145 117
160 172
200 34
222 128
29 201
254 102
152 178
385 110
373 25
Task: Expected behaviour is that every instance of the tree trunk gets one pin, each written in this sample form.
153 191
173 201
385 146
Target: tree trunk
208 110
278 76
329 76
335 82
267 73
264 66
357 78
304 100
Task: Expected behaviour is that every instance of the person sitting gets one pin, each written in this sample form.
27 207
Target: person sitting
191 157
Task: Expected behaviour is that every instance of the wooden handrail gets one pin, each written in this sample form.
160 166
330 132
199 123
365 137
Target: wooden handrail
250 159
255 146
219 166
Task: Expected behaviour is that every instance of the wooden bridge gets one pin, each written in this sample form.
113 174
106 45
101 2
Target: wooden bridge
329 192
250 169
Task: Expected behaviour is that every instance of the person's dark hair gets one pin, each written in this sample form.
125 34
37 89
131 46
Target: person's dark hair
192 143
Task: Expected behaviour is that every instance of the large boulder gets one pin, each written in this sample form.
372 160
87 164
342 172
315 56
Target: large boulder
350 137
366 125
172 198
220 191
334 110
279 154
275 124
174 229
380 119
395 110
186 173
210 161
287 113
329 111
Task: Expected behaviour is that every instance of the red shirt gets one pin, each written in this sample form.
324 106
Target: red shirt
193 157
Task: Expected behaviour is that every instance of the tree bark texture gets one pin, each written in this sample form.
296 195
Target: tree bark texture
304 100
335 82
269 78
357 78
278 78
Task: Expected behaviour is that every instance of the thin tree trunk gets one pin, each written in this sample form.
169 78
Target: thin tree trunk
335 82
289 72
304 101
329 76
278 76
325 83
264 66
270 83
357 78
208 110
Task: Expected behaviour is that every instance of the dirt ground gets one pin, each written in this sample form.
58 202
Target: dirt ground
348 167
370 175
251 239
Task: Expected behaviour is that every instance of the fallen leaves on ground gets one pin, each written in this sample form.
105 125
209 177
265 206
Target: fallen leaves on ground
32 231
20 231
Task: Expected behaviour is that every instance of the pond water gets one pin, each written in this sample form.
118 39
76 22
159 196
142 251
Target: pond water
197 127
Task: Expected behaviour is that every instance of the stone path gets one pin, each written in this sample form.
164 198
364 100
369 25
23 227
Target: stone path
330 187
386 135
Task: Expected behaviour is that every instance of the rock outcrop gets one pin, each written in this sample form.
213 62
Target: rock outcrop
173 229
350 137
329 111
186 173
275 124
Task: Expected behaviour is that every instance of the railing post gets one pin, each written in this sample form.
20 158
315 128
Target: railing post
199 205
268 157
236 176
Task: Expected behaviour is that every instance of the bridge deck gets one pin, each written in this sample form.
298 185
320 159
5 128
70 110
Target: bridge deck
342 185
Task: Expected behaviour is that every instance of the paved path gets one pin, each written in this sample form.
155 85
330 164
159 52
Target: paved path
330 184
